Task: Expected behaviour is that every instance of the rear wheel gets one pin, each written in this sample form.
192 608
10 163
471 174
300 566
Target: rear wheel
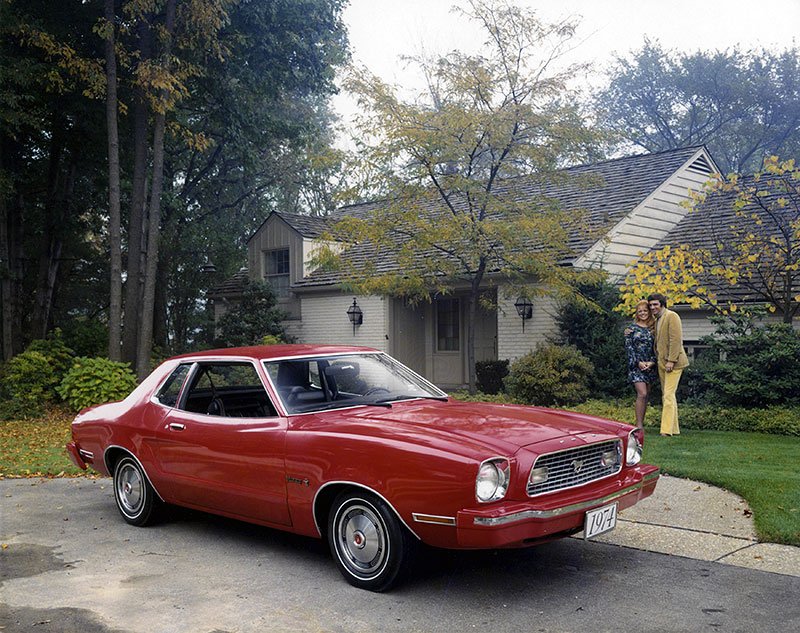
370 546
136 500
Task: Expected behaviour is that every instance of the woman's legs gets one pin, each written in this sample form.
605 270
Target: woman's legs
642 393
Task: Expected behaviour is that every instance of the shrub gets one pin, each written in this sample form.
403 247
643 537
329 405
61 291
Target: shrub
749 365
256 315
490 375
55 350
96 381
772 420
28 384
271 339
552 375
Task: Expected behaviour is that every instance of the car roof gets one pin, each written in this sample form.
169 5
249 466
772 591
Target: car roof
267 352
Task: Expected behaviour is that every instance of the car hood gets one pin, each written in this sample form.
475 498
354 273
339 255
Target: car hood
506 427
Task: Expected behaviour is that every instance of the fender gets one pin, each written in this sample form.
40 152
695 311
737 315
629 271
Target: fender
136 459
363 487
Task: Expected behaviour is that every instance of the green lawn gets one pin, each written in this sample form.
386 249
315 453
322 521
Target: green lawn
764 469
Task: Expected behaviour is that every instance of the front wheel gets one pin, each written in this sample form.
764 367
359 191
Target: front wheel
136 499
370 546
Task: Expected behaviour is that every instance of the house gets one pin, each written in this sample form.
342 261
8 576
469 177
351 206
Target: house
637 200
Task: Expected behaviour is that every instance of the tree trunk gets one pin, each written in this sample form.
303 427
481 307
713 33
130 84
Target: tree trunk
56 216
114 222
10 255
137 221
59 189
144 348
472 315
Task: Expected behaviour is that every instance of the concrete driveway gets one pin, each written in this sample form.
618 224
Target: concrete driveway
69 563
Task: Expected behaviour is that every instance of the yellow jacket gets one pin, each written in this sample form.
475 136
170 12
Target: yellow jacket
669 340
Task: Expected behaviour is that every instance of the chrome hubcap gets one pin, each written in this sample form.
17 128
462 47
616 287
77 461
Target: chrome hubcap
130 489
362 541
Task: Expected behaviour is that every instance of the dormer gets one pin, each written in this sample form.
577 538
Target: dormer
279 251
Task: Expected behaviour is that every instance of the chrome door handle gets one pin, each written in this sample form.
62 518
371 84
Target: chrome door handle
175 426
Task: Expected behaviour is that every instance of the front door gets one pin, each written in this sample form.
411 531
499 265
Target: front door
448 342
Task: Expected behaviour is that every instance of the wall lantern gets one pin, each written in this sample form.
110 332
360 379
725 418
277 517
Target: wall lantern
355 315
524 309
208 268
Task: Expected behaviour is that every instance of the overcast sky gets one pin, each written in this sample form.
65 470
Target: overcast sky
381 31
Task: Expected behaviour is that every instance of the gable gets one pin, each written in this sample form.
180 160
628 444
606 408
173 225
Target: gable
652 219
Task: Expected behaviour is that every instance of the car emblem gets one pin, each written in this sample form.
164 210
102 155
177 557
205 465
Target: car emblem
577 465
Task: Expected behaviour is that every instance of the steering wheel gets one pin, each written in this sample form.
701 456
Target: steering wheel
374 390
292 396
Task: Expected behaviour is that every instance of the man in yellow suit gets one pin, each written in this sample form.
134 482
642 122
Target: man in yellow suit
671 357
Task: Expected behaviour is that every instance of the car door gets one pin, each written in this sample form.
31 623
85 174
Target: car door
221 448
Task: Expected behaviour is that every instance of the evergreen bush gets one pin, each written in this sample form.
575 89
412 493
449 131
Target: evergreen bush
490 375
596 330
93 381
552 375
749 365
255 316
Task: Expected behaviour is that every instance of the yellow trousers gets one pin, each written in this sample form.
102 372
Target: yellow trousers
669 403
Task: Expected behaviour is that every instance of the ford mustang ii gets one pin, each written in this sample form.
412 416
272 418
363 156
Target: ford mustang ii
348 445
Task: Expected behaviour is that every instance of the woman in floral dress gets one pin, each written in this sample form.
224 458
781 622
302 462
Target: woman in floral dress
641 357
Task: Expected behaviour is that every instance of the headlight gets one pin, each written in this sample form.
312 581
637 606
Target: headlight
492 481
634 453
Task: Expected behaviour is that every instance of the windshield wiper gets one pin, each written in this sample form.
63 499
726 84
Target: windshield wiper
343 404
410 397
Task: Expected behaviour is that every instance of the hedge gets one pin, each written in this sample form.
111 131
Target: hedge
775 420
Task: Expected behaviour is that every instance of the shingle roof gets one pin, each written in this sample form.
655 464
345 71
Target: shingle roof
307 225
311 226
606 192
231 287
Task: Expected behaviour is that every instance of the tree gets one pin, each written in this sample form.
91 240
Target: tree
243 90
746 250
114 210
743 105
50 159
595 329
451 162
252 318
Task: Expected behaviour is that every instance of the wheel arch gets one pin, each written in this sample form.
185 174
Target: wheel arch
327 493
114 453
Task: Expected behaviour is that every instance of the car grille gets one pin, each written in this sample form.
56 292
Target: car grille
576 466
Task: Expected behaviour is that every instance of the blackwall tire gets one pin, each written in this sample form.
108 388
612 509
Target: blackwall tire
136 500
371 547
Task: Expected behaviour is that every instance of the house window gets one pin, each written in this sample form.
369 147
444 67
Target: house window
276 267
447 325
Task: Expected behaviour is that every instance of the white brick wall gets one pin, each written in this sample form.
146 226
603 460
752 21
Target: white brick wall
512 342
325 321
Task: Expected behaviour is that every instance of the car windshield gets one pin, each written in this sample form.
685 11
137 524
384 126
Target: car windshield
337 381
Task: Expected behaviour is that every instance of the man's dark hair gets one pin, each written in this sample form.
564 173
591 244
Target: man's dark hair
657 296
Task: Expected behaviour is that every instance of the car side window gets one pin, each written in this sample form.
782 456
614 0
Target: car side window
171 389
231 390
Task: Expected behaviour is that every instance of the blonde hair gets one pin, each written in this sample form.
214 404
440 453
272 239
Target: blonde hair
651 320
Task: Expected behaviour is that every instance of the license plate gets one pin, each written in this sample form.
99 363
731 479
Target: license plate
600 520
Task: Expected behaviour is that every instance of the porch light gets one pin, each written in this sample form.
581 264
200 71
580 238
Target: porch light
524 309
355 315
208 268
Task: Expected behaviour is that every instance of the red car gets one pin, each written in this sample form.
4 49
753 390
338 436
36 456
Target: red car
347 444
